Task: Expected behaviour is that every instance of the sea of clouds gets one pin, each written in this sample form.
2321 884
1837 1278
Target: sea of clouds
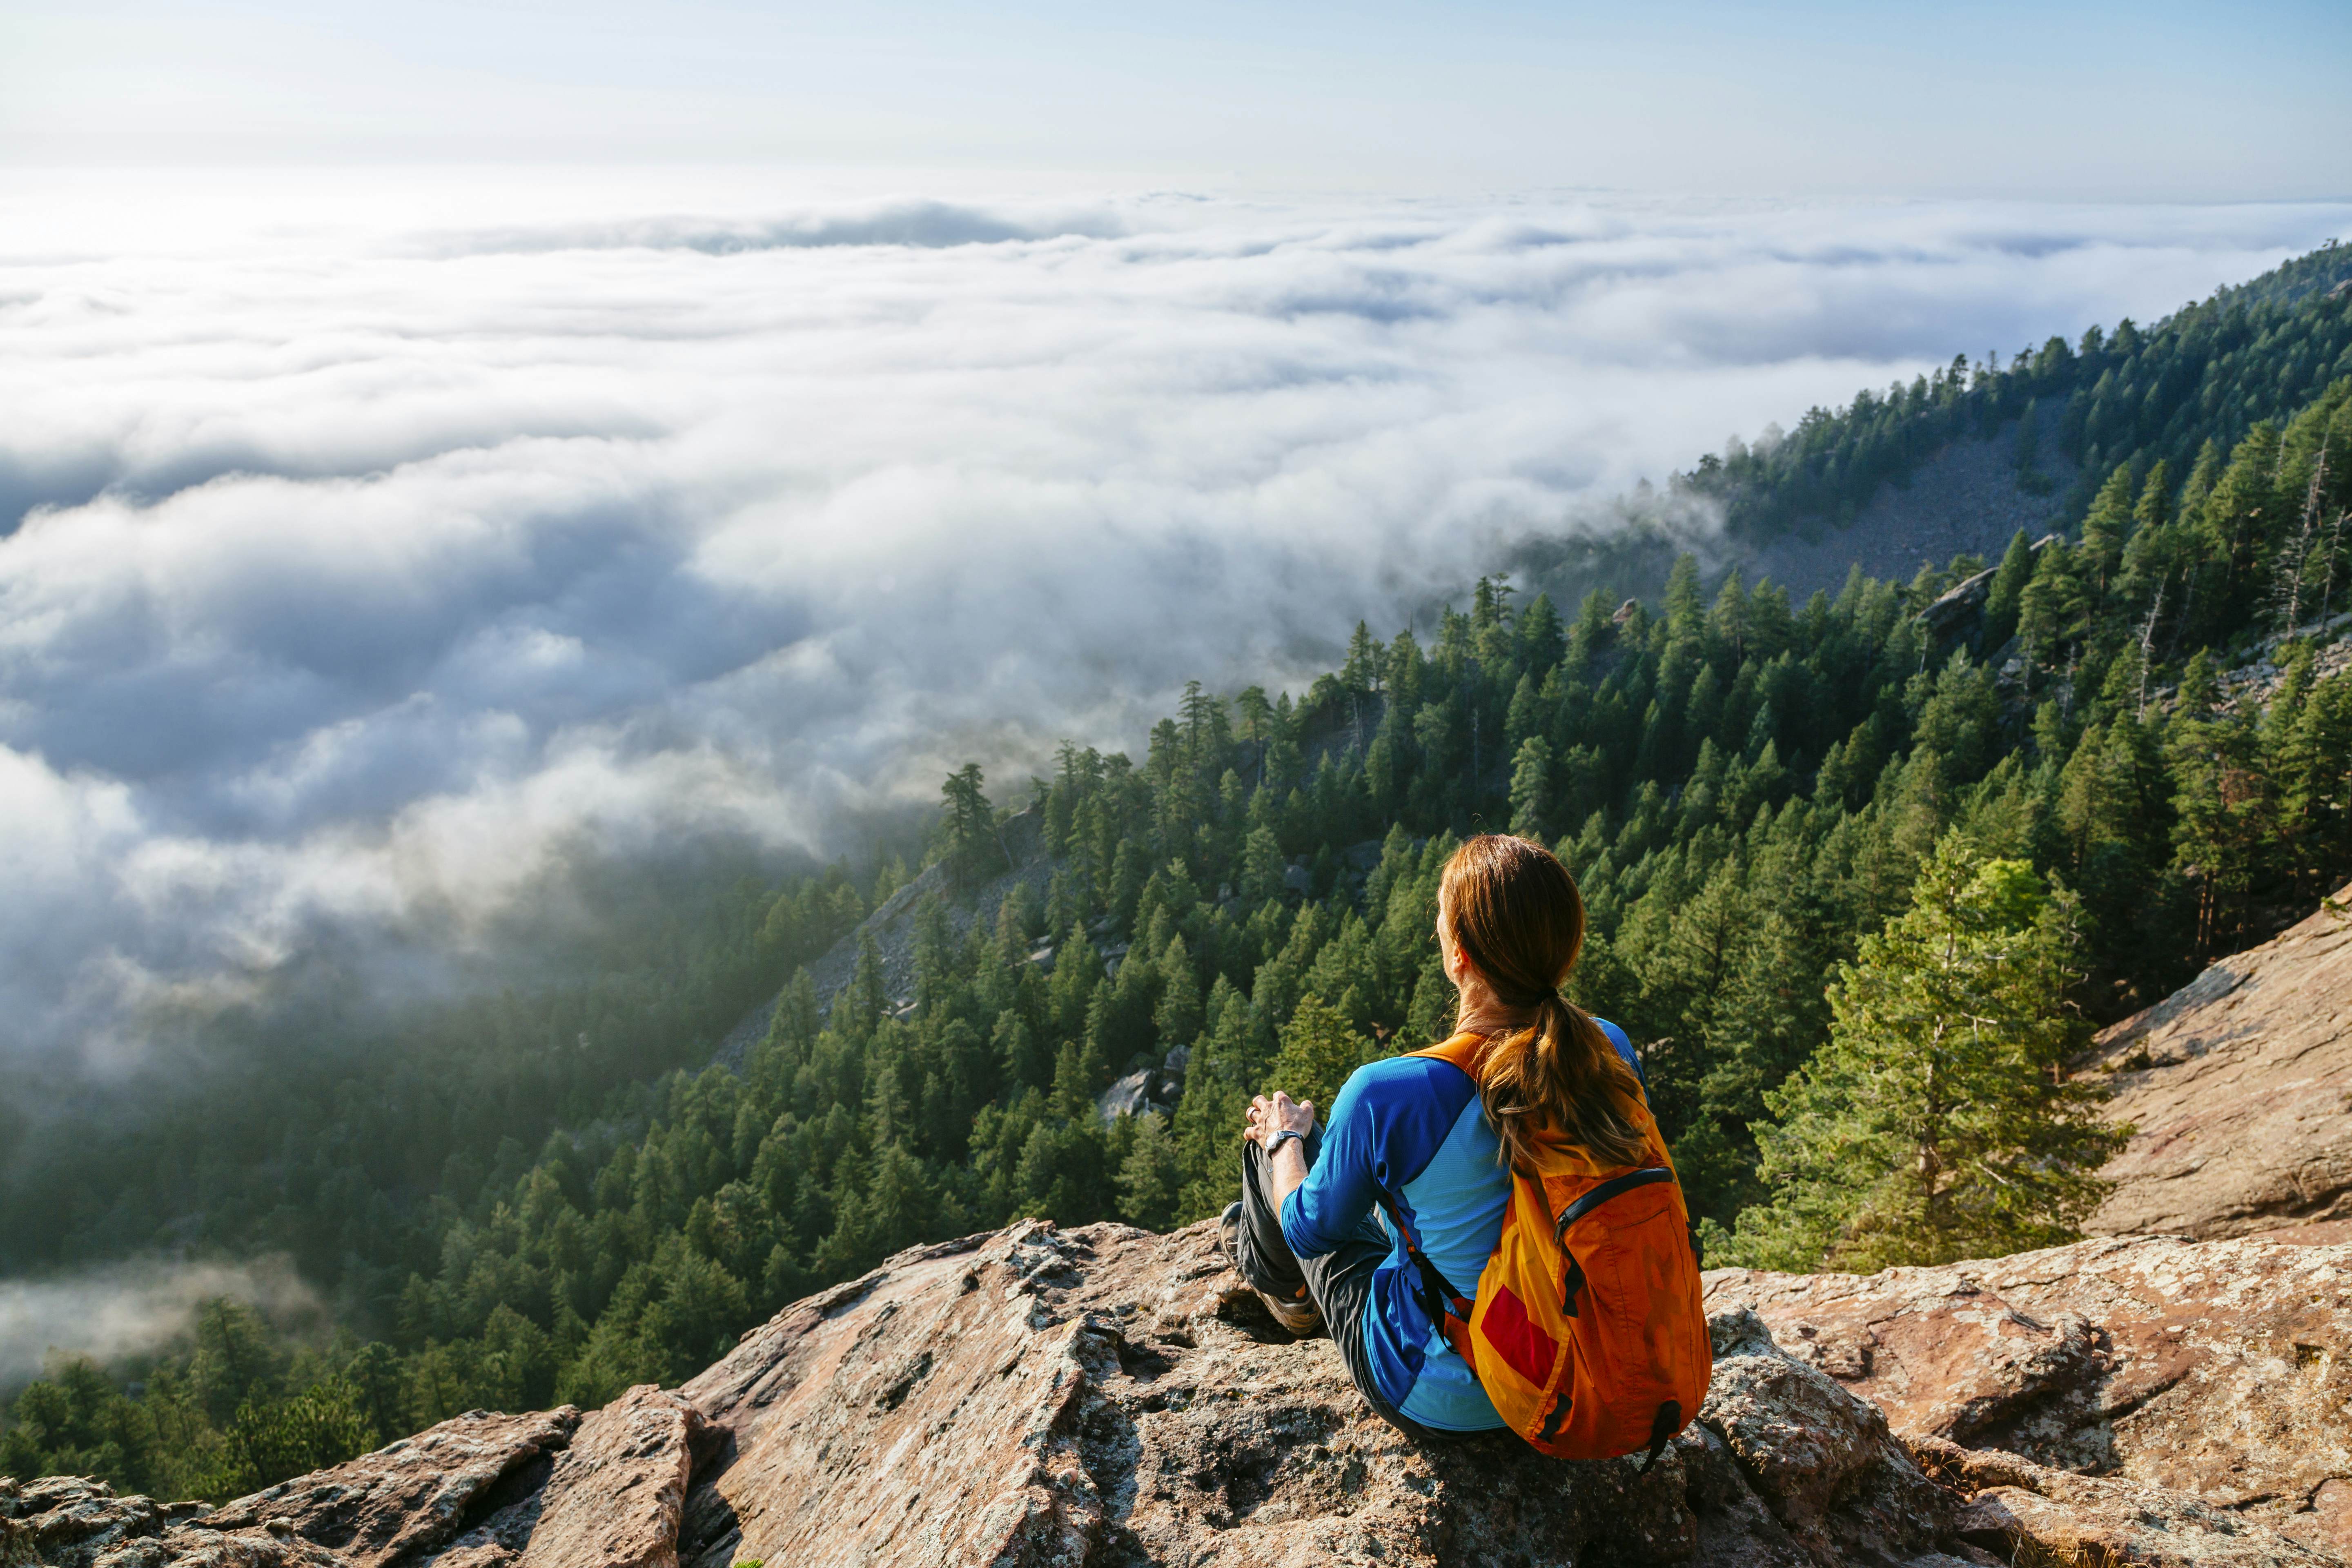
366 536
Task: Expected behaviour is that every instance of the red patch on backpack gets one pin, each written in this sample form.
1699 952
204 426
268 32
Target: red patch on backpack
1524 1347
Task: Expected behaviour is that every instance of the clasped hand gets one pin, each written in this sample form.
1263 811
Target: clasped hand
1279 1114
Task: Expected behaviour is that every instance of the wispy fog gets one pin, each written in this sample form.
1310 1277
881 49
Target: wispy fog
369 535
130 1308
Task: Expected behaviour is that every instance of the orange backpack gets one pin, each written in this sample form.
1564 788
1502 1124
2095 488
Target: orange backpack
1587 1332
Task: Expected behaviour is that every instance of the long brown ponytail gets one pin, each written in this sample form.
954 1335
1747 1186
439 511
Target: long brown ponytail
1515 912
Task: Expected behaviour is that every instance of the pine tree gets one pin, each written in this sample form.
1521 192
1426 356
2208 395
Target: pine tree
970 826
1148 1177
1530 789
1361 671
1685 611
2052 612
1771 1011
901 1207
1025 1061
1937 1122
1490 624
2235 528
1208 1119
323 1426
2008 589
858 1009
1076 967
1319 1049
2104 528
1262 867
1540 635
1730 620
2221 806
1176 1018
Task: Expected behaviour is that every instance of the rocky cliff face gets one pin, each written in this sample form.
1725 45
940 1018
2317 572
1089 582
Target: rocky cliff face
2240 1086
1107 1396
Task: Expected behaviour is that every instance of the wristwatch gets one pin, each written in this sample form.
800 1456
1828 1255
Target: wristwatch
1276 1141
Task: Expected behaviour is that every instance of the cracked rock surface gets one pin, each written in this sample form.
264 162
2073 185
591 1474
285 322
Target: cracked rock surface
2018 1510
1107 1397
409 1498
2217 1370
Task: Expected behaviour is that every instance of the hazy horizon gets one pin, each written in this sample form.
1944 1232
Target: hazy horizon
2083 101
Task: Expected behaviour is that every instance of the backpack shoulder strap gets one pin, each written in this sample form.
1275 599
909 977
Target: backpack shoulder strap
1446 1306
1461 1051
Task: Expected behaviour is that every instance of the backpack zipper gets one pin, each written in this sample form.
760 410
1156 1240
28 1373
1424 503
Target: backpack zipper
1614 1186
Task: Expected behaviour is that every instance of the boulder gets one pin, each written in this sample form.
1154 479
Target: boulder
1820 1459
1147 1090
73 1521
615 1496
2218 1370
1959 605
2238 1089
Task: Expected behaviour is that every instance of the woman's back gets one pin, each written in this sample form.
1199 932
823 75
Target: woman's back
1416 1153
1408 1137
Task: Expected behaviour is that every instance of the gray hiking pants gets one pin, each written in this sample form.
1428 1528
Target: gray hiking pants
1339 1282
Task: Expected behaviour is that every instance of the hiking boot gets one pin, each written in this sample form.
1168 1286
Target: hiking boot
1301 1317
1298 1315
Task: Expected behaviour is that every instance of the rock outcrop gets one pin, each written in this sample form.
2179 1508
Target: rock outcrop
1959 606
411 1498
1106 1396
2216 1371
69 1520
2240 1089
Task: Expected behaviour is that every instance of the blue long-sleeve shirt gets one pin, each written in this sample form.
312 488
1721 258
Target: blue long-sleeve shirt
1410 1130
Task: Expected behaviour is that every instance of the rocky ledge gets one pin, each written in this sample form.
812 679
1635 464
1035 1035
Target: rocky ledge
2234 1086
1107 1396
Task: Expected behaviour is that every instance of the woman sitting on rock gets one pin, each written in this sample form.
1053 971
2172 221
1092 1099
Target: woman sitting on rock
1417 1146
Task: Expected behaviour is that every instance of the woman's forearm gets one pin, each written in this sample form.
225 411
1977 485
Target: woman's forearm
1285 1158
1287 1167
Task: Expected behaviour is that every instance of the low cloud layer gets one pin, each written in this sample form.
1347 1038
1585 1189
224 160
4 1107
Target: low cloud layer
130 1308
365 542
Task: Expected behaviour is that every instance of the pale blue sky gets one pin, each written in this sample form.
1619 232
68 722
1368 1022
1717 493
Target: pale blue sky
2193 102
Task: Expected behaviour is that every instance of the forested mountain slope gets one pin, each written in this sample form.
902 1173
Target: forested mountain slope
2131 398
1752 791
1954 462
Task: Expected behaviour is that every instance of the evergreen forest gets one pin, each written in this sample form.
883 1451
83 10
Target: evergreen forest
1804 831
